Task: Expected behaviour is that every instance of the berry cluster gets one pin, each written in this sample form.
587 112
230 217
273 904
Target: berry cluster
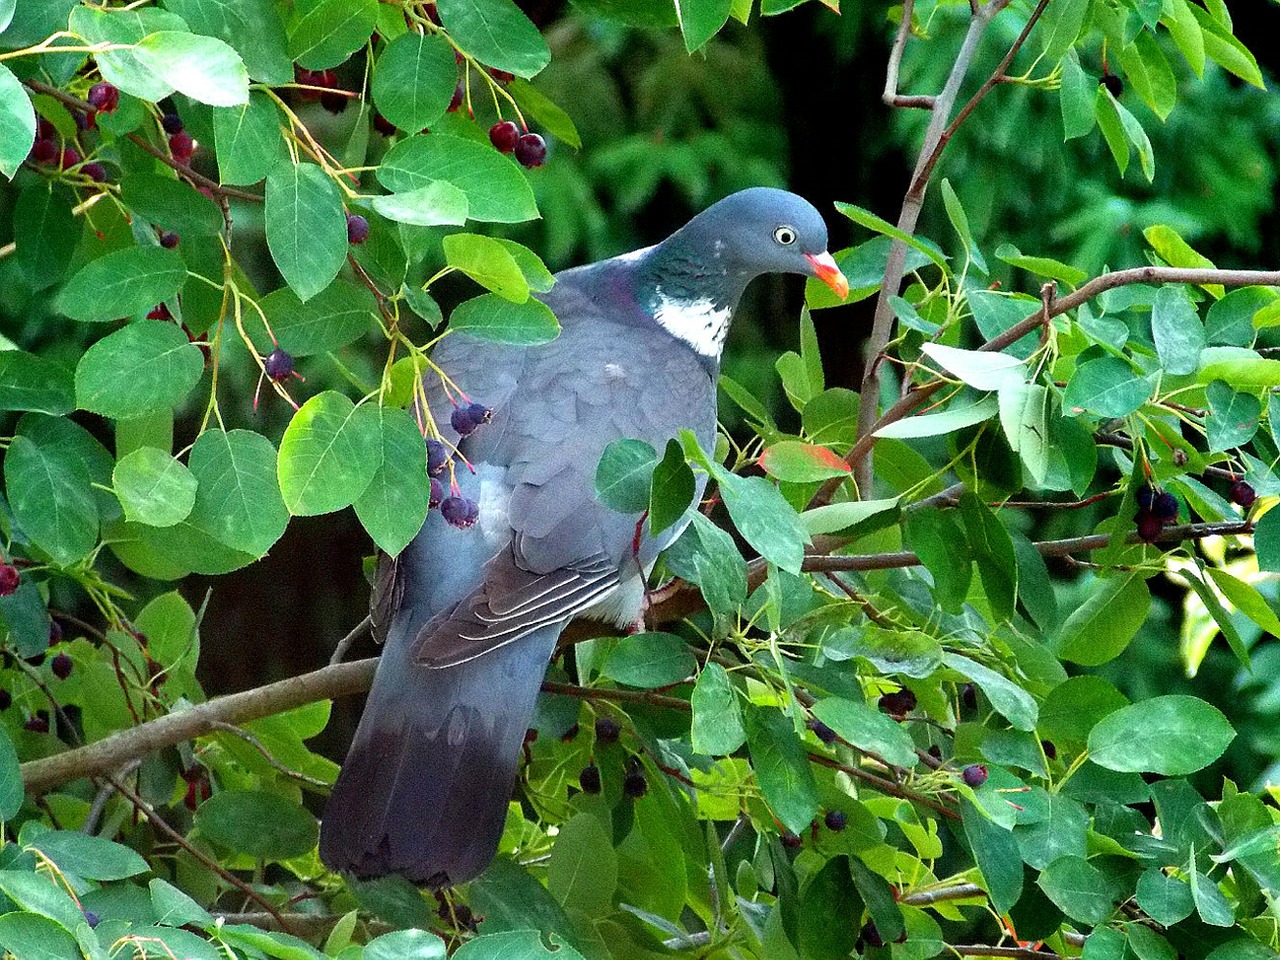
457 510
898 704
529 148
1156 508
330 95
181 144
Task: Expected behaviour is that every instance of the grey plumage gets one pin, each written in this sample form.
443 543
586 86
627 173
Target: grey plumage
471 617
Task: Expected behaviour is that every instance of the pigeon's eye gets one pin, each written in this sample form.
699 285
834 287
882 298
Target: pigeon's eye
785 236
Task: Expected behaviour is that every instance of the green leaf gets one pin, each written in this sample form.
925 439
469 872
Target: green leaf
323 33
960 221
717 717
536 274
868 729
797 462
489 317
1233 417
552 117
30 382
414 80
90 857
497 34
1099 629
764 518
834 517
1076 99
1107 111
247 139
623 475
1178 332
1079 889
1234 319
11 793
1024 415
996 853
405 945
1266 541
781 767
700 20
122 284
866 218
170 204
514 945
1176 252
306 227
992 550
126 27
37 893
394 505
282 946
7 8
50 496
329 454
496 188
1166 899
238 501
204 68
29 936
830 893
173 908
707 556
673 489
583 870
488 263
1040 266
143 367
18 120
153 487
252 27
650 660
1211 905
49 234
437 204
1173 735
1107 387
236 820
338 315
1225 50
982 370
1010 700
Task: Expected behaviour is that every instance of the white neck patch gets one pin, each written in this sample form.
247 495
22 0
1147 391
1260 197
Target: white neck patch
700 323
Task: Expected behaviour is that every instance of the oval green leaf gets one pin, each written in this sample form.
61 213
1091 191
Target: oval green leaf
263 825
1172 735
122 284
306 227
144 367
154 488
328 455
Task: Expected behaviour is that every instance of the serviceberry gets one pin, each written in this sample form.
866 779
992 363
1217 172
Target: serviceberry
504 135
9 579
607 730
61 666
502 76
182 146
169 239
6 699
1145 497
357 228
334 102
160 312
1242 492
1114 85
55 632
437 493
91 918
70 157
835 820
45 150
899 703
465 419
531 150
969 697
1165 506
172 124
1149 527
460 512
98 174
104 96
455 101
1050 750
790 839
278 365
383 125
871 935
822 731
975 774
589 779
437 457
38 723
37 660
634 784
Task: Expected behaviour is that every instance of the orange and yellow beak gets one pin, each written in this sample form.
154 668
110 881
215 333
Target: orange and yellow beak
825 269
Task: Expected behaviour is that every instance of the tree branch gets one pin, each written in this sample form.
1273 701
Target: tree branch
891 97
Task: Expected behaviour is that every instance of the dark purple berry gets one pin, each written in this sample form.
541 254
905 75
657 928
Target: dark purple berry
39 723
969 697
45 130
104 96
98 174
383 125
790 839
1165 506
461 512
1149 527
437 457
871 936
822 731
1114 85
465 419
55 632
85 121
169 239
835 820
9 579
504 135
531 150
502 76
634 784
37 660
279 365
334 102
935 751
589 779
6 700
437 493
172 124
160 312
459 92
182 146
1145 497
357 228
45 150
607 730
91 918
899 703
61 666
975 774
1243 493
70 157
1050 750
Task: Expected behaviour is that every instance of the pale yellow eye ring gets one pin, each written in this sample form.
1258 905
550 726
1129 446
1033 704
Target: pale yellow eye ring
785 235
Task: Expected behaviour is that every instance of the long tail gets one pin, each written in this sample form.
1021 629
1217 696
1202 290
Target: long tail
425 787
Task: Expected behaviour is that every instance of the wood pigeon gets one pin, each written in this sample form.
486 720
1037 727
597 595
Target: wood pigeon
471 613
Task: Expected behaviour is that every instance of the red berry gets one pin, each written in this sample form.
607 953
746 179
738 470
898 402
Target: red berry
39 723
86 121
70 157
279 365
104 96
169 239
975 775
160 312
182 146
502 76
504 135
45 130
95 172
531 150
1050 750
55 632
61 666
9 579
334 102
898 704
871 935
459 92
45 150
635 785
172 123
1243 493
789 839
383 125
357 228
1149 527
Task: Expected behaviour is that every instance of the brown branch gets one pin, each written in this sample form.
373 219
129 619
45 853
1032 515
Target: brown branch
961 891
891 97
981 950
883 785
616 696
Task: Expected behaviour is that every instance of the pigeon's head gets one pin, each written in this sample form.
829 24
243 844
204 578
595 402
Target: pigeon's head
764 230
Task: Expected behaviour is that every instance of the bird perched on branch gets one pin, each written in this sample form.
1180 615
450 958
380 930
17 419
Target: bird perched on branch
471 609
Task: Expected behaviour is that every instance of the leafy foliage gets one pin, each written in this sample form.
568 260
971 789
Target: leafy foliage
918 718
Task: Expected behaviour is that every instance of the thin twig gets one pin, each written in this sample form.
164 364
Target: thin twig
616 696
883 785
961 891
891 97
358 631
258 745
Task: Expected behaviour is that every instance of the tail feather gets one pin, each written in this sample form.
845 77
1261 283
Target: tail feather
424 790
